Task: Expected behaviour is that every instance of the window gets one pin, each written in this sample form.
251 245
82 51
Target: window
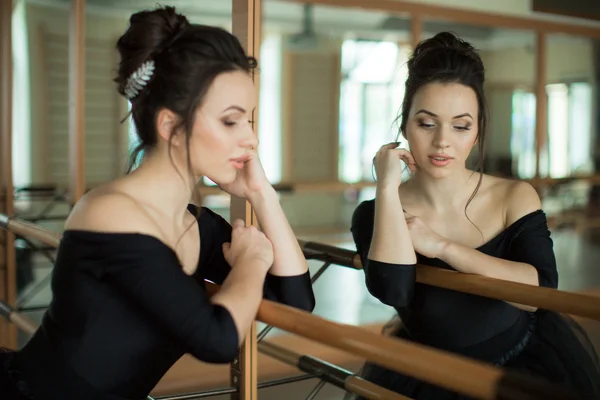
522 141
569 129
269 109
580 138
21 106
372 89
569 146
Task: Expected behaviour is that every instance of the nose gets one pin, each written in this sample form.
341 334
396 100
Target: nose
440 138
250 140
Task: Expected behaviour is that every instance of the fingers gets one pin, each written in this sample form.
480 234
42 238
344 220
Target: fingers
408 158
226 247
389 146
238 223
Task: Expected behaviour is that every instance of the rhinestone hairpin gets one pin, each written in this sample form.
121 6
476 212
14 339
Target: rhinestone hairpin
139 79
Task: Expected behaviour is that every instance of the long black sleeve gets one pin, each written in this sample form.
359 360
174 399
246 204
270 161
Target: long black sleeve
532 244
392 284
148 274
295 291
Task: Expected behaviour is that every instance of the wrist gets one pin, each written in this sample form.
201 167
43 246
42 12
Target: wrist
445 250
387 186
267 193
254 263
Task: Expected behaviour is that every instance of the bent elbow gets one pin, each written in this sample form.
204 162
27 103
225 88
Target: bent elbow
547 279
392 284
397 296
227 353
221 353
294 291
219 343
305 303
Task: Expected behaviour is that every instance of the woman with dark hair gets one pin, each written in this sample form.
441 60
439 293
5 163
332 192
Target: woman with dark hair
128 295
450 217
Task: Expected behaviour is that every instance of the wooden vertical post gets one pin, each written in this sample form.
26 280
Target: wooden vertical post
76 100
541 103
246 19
8 278
416 29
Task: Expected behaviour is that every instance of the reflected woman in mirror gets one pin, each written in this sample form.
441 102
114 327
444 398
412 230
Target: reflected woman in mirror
450 217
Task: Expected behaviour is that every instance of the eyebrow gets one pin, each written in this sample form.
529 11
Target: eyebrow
234 107
423 111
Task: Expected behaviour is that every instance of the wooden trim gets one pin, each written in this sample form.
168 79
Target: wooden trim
246 20
77 99
461 15
8 279
335 116
416 30
287 152
541 102
43 106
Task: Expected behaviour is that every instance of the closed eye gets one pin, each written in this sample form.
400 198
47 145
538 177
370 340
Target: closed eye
463 128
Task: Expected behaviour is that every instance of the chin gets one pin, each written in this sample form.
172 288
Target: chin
222 178
230 176
437 173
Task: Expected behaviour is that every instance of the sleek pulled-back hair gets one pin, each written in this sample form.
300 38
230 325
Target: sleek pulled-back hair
445 58
187 58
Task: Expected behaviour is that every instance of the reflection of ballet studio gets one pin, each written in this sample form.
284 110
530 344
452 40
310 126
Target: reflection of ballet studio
299 199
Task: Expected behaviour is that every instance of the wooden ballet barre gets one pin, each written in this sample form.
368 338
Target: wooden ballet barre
329 373
450 371
454 372
19 320
545 298
29 230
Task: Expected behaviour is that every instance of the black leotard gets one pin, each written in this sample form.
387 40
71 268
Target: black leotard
123 312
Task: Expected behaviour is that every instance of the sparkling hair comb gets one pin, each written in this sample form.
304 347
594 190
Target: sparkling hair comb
139 79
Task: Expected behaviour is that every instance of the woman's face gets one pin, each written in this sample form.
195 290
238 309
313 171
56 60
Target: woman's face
442 127
222 133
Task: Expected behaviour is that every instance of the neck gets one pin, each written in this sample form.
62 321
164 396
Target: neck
446 193
158 183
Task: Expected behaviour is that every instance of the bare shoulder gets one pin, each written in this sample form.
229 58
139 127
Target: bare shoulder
106 209
519 198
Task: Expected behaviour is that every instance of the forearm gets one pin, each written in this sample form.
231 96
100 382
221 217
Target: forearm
391 241
288 257
241 294
470 261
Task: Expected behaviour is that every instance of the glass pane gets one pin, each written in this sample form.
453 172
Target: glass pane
339 66
40 138
570 89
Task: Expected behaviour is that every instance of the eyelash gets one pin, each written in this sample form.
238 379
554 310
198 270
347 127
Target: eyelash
232 123
460 128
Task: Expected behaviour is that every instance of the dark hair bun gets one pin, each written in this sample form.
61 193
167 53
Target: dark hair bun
445 58
149 33
445 52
